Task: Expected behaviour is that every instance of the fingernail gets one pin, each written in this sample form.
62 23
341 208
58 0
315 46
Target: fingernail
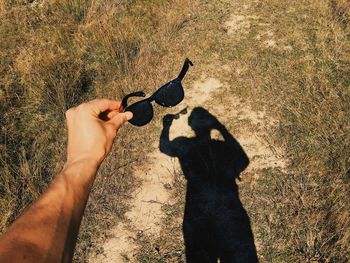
128 115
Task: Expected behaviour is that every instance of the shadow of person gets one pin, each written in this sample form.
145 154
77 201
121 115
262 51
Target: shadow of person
215 226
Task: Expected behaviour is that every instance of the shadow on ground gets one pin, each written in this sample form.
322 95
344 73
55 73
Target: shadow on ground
215 224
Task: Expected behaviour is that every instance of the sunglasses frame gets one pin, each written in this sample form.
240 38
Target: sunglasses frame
153 97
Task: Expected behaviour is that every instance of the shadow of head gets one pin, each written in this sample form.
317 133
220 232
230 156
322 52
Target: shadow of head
226 158
202 122
201 156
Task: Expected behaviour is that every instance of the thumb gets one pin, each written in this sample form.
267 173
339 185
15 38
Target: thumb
120 119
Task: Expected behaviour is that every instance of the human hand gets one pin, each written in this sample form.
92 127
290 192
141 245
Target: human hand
90 136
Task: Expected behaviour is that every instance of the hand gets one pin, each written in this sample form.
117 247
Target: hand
90 136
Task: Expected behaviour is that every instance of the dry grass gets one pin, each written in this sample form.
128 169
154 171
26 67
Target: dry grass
341 12
293 61
303 80
56 54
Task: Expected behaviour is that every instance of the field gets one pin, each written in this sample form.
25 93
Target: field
290 60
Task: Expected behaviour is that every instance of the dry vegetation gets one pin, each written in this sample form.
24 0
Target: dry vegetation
55 54
292 60
295 62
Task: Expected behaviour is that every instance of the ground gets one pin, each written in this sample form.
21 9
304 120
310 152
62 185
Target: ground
268 72
261 140
147 216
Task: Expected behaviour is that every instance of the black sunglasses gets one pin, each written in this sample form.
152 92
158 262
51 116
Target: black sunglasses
168 95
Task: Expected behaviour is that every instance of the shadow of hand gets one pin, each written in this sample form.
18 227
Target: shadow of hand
168 119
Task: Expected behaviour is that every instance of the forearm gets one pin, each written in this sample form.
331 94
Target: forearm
47 231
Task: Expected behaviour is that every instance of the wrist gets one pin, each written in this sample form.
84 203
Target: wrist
80 171
84 159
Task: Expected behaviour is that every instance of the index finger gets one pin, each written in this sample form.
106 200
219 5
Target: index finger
102 105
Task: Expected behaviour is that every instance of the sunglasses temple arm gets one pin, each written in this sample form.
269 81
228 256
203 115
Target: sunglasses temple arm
184 69
125 99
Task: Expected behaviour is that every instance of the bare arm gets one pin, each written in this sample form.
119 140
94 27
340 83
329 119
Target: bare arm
48 230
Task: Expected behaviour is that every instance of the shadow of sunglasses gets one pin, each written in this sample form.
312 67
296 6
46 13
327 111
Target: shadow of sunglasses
168 95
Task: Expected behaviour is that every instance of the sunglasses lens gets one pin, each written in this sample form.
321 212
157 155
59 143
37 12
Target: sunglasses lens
142 113
170 94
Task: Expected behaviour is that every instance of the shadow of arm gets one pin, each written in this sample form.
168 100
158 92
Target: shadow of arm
242 159
165 145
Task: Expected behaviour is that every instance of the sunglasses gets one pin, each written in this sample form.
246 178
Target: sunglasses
168 95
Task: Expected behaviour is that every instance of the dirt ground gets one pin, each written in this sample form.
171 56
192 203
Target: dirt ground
207 92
